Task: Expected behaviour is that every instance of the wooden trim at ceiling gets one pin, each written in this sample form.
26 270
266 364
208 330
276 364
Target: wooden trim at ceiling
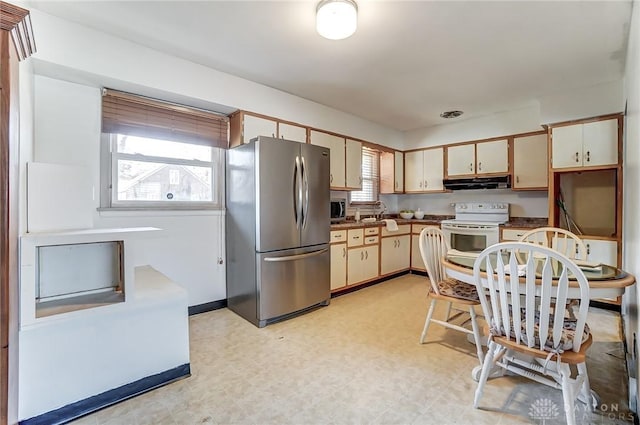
17 21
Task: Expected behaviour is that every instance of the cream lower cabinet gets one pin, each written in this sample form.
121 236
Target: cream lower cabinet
362 264
601 251
395 254
338 265
416 256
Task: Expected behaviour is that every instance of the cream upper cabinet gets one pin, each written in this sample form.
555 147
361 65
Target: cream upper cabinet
398 170
338 265
585 145
353 164
337 176
492 157
478 158
600 143
424 170
257 126
413 171
292 132
461 160
530 162
433 164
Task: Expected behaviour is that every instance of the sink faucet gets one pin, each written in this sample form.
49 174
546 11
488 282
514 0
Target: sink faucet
383 209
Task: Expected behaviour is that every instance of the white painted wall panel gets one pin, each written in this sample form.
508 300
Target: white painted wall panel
59 197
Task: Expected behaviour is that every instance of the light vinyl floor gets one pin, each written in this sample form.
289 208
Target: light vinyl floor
358 361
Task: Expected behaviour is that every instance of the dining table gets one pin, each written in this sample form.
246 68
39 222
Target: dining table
605 281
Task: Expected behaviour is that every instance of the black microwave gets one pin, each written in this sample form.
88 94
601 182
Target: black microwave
338 209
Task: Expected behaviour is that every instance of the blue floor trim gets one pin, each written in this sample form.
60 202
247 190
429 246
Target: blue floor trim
89 405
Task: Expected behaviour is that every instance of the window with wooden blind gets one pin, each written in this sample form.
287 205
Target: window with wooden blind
370 178
160 154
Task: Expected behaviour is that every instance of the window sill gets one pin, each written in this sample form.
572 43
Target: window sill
159 212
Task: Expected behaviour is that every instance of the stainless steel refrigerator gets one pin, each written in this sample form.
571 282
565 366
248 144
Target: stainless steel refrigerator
277 229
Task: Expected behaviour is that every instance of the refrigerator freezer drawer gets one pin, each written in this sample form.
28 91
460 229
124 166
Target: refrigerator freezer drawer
292 280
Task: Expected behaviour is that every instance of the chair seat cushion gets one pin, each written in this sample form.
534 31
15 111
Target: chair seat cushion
566 338
458 289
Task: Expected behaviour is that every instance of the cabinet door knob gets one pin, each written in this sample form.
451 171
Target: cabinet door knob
331 178
344 252
588 249
577 157
425 184
479 166
517 179
420 185
366 255
361 255
471 166
588 156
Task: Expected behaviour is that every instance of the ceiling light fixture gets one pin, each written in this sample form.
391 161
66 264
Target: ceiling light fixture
451 114
336 19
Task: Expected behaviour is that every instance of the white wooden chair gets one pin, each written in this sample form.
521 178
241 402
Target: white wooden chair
559 239
433 247
521 319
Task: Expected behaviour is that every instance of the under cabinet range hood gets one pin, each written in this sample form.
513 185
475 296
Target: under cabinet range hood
498 182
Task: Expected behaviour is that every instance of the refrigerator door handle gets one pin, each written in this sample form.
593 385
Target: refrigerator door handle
297 193
296 257
305 186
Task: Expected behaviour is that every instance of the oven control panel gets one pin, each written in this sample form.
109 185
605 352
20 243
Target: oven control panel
482 207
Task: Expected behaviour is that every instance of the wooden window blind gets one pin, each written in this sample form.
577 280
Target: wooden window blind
370 177
127 113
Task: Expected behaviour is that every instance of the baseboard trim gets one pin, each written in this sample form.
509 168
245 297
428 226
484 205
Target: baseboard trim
92 404
605 306
366 285
203 308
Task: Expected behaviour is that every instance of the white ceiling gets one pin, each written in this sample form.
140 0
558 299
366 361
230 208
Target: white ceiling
407 62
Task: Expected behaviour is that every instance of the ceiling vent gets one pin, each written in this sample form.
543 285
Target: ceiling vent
451 114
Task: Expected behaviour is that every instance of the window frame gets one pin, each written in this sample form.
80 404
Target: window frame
375 177
109 179
134 115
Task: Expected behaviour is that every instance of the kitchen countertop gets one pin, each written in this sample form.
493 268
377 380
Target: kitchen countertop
527 222
524 222
428 219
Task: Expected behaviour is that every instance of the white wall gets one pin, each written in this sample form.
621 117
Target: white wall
586 102
67 131
522 204
73 51
631 225
495 125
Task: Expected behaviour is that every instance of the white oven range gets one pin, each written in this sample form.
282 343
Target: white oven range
476 225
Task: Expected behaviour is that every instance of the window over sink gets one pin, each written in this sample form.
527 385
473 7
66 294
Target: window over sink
370 178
